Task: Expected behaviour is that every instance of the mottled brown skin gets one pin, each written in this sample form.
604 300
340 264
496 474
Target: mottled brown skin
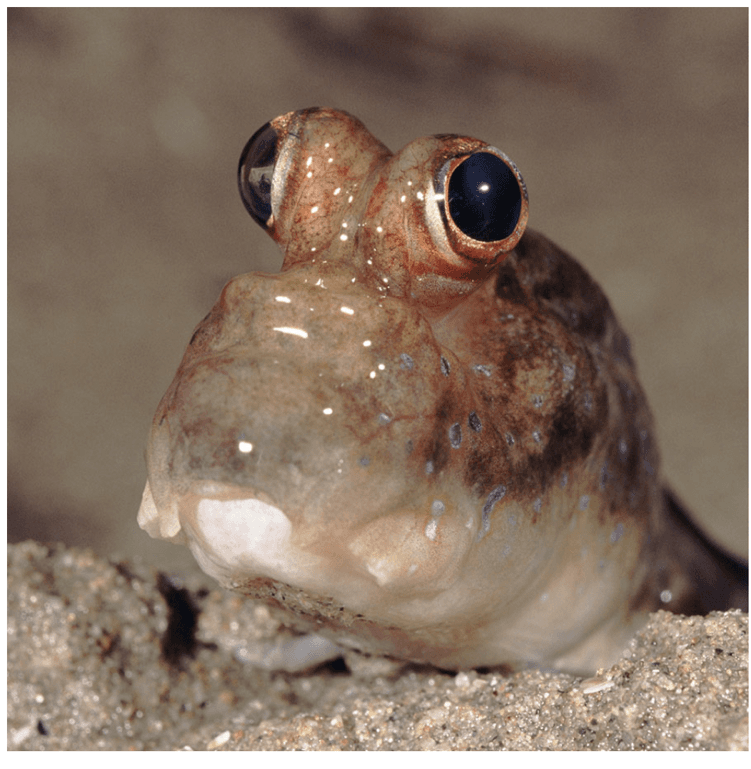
419 443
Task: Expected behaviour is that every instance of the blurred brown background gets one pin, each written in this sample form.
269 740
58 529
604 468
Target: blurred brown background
125 127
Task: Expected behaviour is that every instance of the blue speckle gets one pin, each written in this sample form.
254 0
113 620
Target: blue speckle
445 366
583 502
616 534
455 435
474 422
407 362
364 461
498 493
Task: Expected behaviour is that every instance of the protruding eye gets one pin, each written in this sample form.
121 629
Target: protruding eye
255 173
484 198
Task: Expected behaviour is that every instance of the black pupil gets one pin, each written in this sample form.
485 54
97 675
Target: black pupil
484 198
255 173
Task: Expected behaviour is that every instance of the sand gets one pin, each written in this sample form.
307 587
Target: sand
109 654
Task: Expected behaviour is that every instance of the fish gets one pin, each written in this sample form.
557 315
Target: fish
424 437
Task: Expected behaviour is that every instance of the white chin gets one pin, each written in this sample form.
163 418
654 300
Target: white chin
243 538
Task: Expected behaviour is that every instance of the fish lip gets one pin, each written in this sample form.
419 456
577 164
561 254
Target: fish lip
218 490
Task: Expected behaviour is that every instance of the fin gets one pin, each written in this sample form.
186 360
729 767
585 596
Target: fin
719 581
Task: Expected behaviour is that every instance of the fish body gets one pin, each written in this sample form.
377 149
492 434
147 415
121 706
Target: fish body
425 436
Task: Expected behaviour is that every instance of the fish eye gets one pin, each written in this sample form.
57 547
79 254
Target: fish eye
256 171
484 197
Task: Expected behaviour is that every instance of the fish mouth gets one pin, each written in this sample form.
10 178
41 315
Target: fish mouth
231 531
238 535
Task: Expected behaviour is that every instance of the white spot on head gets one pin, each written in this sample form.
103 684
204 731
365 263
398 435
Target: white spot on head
666 596
367 343
347 310
284 299
328 411
293 331
245 447
431 529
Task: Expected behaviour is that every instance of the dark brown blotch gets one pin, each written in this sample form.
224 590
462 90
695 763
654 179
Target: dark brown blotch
570 293
507 286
